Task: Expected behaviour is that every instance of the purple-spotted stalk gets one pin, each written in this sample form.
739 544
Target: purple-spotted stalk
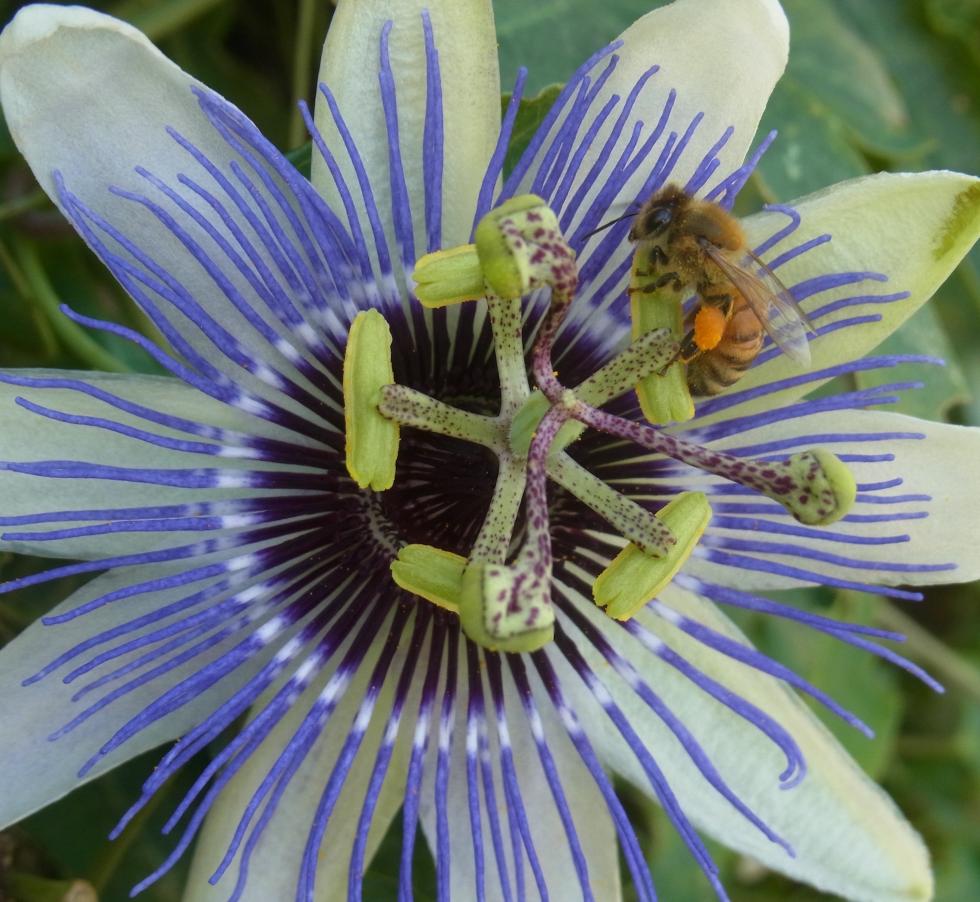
813 486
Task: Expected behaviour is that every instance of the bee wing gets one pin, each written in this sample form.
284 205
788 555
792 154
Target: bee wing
769 299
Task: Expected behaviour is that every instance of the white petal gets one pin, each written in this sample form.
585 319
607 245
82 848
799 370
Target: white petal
913 228
723 60
27 436
38 771
467 46
935 479
593 824
275 865
90 97
848 836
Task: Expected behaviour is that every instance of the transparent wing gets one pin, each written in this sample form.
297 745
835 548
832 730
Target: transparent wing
769 299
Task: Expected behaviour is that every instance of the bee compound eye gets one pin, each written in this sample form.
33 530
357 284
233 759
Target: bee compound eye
659 219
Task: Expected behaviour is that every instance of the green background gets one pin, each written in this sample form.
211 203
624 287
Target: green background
871 85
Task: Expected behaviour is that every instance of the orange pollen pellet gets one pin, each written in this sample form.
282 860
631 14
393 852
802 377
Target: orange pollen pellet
709 326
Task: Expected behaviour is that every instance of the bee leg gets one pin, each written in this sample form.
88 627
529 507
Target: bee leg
686 352
666 279
724 302
658 259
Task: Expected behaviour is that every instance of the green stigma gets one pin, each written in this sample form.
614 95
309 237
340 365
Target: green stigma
824 489
498 614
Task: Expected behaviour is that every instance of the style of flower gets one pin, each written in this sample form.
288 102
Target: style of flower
242 569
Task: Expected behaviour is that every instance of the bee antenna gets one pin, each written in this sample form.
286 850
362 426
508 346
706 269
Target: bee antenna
611 222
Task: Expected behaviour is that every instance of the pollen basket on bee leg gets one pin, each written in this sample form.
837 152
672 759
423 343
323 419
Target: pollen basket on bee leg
709 327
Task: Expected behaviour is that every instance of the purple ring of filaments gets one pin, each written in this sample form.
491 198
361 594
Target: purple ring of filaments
274 581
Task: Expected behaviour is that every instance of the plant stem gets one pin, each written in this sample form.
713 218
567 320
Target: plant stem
159 20
22 204
302 58
40 291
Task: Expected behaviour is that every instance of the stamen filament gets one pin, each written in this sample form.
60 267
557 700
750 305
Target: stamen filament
635 523
409 407
648 354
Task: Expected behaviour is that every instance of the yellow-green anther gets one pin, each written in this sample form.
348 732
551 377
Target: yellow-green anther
371 439
483 616
449 277
633 578
824 489
430 573
504 253
666 398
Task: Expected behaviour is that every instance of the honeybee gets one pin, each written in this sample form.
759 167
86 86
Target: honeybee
686 243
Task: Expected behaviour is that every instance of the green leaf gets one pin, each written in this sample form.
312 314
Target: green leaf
158 19
676 873
74 832
47 299
381 877
554 37
835 99
301 157
812 150
959 20
958 874
938 82
844 79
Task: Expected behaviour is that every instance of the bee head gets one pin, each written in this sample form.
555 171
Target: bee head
651 222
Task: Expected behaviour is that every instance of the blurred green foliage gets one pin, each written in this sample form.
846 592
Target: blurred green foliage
871 84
